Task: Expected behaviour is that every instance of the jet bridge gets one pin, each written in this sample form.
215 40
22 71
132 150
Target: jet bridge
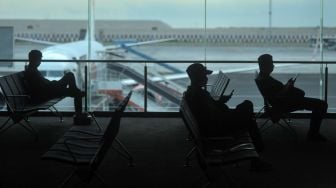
174 97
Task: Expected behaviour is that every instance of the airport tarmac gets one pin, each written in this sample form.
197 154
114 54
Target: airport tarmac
309 78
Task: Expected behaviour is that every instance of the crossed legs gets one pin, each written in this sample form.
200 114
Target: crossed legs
66 86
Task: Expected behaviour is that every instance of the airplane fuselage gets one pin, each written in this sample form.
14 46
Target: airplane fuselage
73 50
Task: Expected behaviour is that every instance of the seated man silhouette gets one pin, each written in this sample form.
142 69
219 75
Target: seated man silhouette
215 118
42 89
287 98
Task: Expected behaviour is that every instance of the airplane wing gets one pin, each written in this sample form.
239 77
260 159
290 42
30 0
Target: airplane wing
116 46
110 52
36 41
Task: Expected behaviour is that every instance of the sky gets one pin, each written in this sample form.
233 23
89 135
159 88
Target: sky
180 13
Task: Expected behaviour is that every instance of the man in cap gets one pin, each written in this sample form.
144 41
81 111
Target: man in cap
215 118
42 89
287 98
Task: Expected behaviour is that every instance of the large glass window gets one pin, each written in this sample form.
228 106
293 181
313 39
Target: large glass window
232 32
329 35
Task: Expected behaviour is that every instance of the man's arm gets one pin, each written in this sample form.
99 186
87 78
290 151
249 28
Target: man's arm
289 85
274 88
36 79
40 78
226 98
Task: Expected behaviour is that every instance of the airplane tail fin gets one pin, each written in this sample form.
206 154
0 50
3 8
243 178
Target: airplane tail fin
90 33
82 34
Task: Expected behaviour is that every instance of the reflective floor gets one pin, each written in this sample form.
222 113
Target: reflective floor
159 146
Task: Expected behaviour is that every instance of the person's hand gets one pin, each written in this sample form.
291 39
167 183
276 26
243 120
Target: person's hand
290 82
226 98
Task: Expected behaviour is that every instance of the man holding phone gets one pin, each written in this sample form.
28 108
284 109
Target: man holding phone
296 76
215 118
288 98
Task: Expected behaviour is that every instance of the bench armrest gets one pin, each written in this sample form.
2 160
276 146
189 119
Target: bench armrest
94 138
234 148
27 96
87 132
242 146
226 138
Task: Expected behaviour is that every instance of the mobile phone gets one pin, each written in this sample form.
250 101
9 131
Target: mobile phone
296 76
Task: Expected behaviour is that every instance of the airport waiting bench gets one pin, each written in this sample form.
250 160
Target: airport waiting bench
15 94
215 151
85 149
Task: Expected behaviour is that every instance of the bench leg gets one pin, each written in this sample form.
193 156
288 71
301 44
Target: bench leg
259 113
263 127
188 156
54 110
95 120
4 124
29 128
4 128
67 179
84 179
287 126
99 177
124 152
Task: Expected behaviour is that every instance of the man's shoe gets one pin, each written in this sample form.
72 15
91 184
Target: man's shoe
82 119
316 137
77 92
259 165
82 93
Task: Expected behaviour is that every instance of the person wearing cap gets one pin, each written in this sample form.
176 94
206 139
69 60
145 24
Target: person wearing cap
42 89
215 118
288 98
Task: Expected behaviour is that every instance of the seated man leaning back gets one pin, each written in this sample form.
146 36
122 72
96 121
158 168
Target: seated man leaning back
42 89
288 98
215 118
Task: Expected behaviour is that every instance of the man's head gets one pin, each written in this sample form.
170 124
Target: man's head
35 57
265 62
198 74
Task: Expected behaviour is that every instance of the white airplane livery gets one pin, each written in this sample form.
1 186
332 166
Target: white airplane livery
78 50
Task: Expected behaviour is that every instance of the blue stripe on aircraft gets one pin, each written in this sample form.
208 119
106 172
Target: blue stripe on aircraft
172 68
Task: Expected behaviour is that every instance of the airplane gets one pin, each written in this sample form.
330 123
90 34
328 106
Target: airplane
78 50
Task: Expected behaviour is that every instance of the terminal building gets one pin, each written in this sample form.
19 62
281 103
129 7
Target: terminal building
141 30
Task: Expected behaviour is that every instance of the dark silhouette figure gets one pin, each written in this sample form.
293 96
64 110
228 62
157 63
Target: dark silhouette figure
215 118
42 89
287 98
